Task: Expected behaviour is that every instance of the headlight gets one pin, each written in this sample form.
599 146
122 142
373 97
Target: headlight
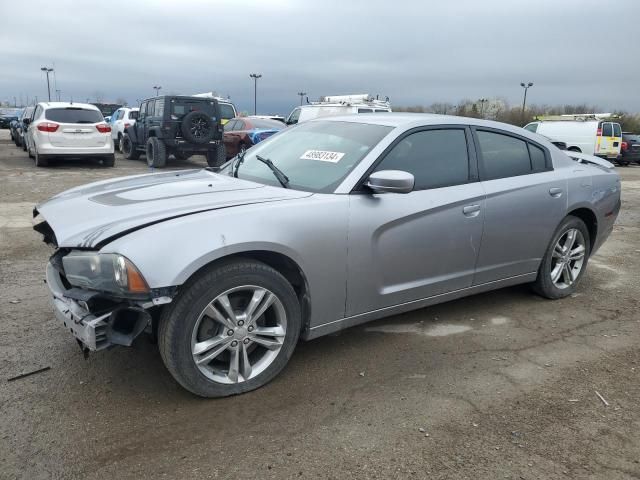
107 272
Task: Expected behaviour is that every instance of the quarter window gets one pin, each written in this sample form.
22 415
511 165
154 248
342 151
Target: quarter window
538 159
436 158
159 111
503 156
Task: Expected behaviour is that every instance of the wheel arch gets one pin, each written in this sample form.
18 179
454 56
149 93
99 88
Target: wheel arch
590 219
282 263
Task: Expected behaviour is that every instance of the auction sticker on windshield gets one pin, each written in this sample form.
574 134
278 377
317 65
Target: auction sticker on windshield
322 155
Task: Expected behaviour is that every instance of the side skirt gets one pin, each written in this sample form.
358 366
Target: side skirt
337 325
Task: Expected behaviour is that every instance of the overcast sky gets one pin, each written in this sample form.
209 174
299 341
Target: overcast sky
416 52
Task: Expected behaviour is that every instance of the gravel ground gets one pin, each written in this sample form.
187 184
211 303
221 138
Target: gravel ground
498 385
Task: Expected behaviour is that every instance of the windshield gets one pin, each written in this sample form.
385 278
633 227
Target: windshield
315 156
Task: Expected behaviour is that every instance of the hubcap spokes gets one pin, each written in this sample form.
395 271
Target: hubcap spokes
567 258
239 334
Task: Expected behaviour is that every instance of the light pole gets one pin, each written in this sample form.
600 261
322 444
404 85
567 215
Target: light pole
58 92
47 70
482 102
255 77
302 94
157 88
524 100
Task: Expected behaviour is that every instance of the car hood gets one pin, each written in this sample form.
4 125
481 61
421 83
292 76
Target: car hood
92 215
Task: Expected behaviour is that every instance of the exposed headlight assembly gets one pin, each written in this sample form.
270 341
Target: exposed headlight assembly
108 272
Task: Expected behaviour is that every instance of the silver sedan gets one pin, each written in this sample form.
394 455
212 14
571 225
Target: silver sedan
325 225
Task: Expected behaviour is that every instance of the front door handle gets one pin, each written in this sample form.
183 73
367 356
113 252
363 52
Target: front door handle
555 192
471 210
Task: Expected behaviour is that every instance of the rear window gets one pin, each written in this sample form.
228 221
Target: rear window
226 111
607 130
617 131
365 110
264 123
180 108
73 115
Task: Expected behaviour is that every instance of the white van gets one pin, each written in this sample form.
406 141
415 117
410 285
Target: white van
330 106
590 134
227 108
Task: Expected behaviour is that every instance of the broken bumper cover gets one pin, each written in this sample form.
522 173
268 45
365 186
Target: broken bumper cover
95 331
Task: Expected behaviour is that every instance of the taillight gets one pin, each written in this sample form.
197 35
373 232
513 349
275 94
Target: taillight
103 128
48 127
599 133
127 125
624 146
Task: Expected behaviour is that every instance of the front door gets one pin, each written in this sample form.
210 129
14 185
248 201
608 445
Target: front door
406 247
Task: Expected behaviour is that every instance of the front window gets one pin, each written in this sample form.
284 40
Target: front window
532 127
315 156
266 124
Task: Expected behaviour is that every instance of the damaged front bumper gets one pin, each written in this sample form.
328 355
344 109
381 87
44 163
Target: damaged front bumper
118 324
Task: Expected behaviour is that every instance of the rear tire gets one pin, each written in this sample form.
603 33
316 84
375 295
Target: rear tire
186 321
216 156
555 280
109 161
129 148
156 153
41 160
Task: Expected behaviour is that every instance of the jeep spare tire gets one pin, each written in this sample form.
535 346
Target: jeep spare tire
197 127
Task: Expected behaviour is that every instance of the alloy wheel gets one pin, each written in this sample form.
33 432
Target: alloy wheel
567 258
239 334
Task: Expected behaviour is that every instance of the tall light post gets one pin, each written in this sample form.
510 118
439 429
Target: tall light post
47 70
58 92
482 102
302 94
524 100
157 88
255 77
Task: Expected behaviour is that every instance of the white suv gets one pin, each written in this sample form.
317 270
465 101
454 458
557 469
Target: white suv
120 120
62 129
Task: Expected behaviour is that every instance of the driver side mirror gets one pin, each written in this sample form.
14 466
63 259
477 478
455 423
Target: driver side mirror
391 181
26 121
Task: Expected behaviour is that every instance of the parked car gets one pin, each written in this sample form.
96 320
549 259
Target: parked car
122 119
227 108
630 151
7 116
338 105
13 127
63 129
178 125
588 134
21 127
244 132
329 224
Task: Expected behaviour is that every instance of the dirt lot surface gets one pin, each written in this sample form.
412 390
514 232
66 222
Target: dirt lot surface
499 385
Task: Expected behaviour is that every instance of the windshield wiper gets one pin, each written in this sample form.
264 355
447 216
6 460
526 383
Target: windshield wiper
236 165
282 178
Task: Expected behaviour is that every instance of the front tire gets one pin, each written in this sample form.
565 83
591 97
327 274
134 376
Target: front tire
565 260
232 329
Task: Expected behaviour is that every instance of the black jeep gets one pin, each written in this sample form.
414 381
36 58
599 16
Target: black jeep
178 125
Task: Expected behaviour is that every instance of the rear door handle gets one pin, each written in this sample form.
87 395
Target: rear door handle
555 192
471 210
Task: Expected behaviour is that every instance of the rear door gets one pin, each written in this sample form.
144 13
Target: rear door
77 127
605 140
525 203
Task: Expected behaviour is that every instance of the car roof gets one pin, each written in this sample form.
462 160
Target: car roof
410 120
